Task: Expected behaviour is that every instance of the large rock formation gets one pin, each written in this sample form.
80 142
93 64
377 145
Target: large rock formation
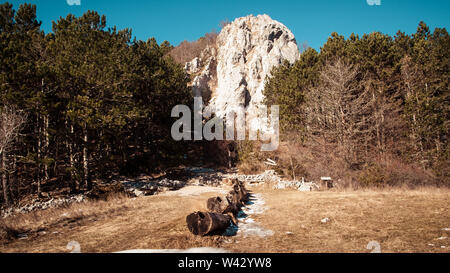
233 72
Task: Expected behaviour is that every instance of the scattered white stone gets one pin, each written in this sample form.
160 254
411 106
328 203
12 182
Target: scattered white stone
266 177
138 193
145 185
431 244
446 229
442 246
270 176
289 233
249 220
325 220
308 186
441 238
22 236
42 204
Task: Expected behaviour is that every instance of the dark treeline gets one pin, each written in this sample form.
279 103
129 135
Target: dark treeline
86 102
81 103
365 99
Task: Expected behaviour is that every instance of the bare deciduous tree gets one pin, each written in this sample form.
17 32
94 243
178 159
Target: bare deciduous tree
412 78
186 51
339 109
11 121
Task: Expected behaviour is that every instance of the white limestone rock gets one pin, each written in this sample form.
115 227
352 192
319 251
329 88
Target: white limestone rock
233 72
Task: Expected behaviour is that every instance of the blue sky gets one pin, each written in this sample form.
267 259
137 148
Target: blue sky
311 21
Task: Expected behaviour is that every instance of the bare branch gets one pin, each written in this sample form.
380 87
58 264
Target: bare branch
11 121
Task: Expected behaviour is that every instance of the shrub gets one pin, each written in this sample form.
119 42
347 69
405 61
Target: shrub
392 172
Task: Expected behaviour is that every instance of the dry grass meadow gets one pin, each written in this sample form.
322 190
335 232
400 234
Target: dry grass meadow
400 220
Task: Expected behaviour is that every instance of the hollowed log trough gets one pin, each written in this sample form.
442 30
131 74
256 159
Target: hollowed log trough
202 223
222 211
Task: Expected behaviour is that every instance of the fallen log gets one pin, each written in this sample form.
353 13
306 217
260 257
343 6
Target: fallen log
216 204
221 205
243 193
234 198
222 211
202 223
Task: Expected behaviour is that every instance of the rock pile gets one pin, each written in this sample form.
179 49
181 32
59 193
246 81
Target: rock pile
144 186
194 176
297 185
268 176
41 204
272 178
211 179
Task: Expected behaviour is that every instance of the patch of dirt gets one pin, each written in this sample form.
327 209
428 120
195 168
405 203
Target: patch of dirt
195 191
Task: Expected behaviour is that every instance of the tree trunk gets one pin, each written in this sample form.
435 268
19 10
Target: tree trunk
46 144
13 181
202 223
39 154
55 165
87 178
74 187
292 167
5 180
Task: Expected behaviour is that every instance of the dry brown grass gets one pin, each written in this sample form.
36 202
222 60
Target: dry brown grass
400 220
108 226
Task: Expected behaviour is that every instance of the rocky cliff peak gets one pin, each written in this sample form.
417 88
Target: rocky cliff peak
233 72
